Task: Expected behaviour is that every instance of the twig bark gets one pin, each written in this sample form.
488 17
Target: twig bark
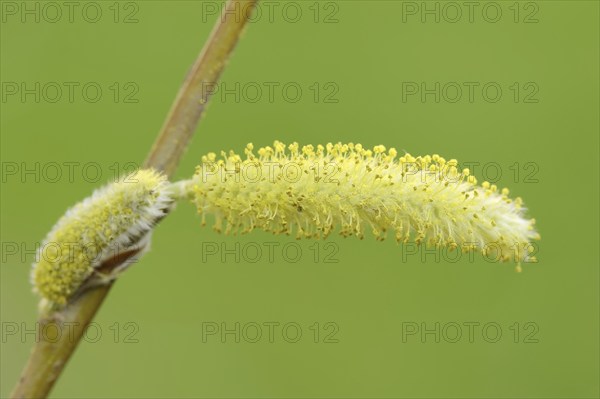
50 355
198 86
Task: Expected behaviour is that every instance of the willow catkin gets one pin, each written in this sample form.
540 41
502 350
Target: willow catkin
115 219
310 191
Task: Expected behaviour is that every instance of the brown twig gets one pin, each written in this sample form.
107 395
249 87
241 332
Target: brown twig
198 86
50 355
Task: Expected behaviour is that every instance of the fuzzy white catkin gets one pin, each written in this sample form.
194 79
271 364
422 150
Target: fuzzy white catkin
116 218
310 191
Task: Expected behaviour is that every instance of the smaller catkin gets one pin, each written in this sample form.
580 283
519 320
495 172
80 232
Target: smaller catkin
309 191
114 219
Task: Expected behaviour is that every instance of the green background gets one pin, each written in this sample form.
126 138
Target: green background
374 288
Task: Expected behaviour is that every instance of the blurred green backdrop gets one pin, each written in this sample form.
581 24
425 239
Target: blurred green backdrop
355 63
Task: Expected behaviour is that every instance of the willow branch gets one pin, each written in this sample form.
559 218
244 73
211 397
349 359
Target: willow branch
198 87
51 353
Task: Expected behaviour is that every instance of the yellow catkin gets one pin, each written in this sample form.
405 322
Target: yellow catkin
309 191
113 219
